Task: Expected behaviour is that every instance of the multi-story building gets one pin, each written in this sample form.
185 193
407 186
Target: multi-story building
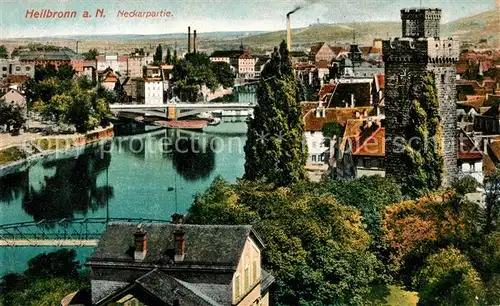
150 91
407 60
178 264
15 67
56 58
118 63
246 65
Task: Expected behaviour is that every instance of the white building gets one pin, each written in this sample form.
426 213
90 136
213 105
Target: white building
15 67
150 91
117 63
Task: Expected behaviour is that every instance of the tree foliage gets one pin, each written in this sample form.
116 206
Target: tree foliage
168 57
12 115
57 96
448 278
158 56
48 278
274 150
415 229
492 201
223 73
91 54
191 73
315 246
422 143
3 52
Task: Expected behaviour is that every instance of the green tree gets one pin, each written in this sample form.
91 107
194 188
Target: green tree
12 115
3 52
448 278
91 54
274 150
158 56
174 60
464 185
49 278
168 58
223 73
191 73
315 247
422 157
492 201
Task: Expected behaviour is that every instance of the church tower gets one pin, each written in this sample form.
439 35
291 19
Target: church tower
407 60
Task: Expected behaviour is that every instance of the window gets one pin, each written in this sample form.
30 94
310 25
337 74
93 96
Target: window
472 167
237 286
254 271
247 278
18 68
313 157
442 78
4 68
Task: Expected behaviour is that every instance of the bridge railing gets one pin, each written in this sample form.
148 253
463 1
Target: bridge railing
64 229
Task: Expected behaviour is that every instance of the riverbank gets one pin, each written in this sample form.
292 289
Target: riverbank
16 154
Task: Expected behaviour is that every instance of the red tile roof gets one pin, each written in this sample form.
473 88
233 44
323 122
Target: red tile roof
381 80
340 115
322 64
371 142
110 78
466 148
306 106
326 89
17 79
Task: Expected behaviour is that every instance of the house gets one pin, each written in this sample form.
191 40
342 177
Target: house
118 63
315 117
361 150
178 264
261 62
321 52
10 67
246 66
110 80
14 96
150 91
89 70
357 63
470 157
56 58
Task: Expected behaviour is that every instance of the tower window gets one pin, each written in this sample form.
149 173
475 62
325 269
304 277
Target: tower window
442 78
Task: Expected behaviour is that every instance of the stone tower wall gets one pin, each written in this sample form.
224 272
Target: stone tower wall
406 61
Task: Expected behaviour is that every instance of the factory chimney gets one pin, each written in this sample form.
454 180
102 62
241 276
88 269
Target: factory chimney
194 41
288 33
189 39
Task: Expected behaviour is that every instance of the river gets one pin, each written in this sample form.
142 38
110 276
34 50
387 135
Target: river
151 175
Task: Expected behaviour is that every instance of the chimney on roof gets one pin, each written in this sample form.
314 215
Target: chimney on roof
177 218
141 243
352 100
189 39
180 244
194 41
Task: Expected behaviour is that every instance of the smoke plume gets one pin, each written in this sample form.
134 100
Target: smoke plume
309 2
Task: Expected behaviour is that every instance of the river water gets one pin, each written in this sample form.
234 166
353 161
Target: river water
151 175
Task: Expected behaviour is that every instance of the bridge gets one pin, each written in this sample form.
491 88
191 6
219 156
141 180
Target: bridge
81 232
181 109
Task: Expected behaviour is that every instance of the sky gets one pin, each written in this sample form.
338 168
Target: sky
210 15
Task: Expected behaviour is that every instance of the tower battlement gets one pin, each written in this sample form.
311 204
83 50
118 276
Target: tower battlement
421 22
430 50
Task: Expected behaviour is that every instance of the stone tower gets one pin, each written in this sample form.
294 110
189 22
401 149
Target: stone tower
407 59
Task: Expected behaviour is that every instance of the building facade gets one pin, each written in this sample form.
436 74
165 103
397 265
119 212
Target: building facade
15 67
178 264
420 51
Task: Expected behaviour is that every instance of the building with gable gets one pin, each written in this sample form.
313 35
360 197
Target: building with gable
178 264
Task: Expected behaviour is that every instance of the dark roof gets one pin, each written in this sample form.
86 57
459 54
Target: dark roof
62 55
266 280
227 53
206 245
168 289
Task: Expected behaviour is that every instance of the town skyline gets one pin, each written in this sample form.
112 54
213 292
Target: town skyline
207 17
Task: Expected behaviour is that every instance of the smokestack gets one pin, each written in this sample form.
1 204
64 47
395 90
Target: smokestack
180 245
288 32
141 244
194 41
189 39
